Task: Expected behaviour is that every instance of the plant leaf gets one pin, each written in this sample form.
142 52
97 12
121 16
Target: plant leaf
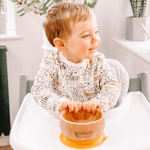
25 2
20 10
56 1
92 4
22 14
32 2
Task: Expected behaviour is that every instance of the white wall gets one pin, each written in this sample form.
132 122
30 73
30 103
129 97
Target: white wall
111 21
111 17
25 55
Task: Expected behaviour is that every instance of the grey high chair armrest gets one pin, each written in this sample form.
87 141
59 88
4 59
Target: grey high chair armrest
140 84
122 76
25 87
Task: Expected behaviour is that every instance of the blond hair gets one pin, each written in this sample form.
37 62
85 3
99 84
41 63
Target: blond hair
59 18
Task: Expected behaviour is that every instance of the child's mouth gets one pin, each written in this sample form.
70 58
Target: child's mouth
93 49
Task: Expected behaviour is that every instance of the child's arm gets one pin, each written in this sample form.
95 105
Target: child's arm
43 90
109 86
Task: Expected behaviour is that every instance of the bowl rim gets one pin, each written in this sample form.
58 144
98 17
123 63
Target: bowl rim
70 122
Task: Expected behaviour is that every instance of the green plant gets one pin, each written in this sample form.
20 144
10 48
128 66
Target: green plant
138 7
41 6
2 2
0 5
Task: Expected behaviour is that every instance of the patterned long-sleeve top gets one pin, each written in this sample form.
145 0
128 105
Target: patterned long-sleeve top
60 80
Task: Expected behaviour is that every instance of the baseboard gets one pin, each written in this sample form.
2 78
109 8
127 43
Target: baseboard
4 140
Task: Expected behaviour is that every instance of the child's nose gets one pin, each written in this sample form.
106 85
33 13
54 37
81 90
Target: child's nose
95 38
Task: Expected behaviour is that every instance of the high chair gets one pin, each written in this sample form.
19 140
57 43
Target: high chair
33 129
25 87
141 83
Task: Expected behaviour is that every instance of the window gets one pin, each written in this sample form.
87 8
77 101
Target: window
9 8
11 26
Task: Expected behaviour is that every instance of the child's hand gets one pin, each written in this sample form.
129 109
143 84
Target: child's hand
91 106
72 106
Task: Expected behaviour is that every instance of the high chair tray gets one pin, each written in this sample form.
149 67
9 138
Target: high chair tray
127 126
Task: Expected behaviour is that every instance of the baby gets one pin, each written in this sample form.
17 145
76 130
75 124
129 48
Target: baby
76 76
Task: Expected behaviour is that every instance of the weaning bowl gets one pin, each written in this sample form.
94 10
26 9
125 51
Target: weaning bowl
82 125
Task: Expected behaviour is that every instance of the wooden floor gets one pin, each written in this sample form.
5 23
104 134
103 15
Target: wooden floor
6 147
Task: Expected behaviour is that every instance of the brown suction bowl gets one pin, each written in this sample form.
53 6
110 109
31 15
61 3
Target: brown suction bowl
82 125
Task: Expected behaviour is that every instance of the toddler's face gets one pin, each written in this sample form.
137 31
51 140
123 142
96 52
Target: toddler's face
84 41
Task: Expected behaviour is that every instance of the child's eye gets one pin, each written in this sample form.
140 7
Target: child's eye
85 36
89 34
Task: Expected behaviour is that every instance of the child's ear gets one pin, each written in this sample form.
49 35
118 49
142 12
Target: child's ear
59 43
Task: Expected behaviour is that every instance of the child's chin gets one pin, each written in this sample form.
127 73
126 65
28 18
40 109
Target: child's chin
92 56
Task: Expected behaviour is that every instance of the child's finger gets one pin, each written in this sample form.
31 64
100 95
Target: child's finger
93 108
79 105
63 106
76 109
70 107
100 106
89 107
60 109
85 106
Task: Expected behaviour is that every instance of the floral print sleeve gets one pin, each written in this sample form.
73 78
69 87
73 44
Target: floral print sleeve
109 85
44 89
